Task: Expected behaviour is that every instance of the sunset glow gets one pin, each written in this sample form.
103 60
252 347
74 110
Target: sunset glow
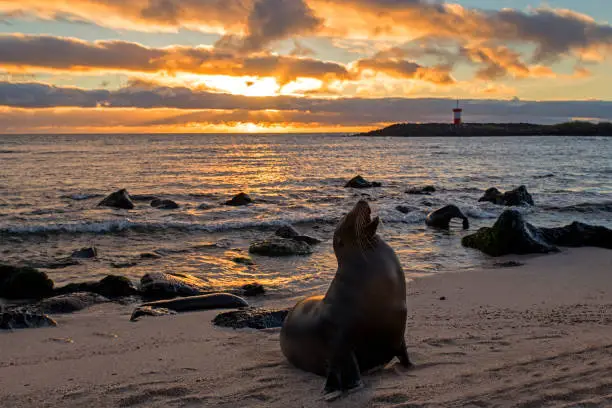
211 64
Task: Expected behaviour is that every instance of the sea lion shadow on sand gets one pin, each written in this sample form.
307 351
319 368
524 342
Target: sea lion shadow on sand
359 324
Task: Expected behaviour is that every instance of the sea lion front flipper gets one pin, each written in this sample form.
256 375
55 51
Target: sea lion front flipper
403 356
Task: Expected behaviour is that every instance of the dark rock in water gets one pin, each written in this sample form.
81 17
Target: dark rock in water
510 234
205 206
59 264
164 204
72 302
543 176
16 319
193 303
243 260
118 199
578 234
516 197
252 318
160 285
252 289
360 182
150 311
150 255
426 190
287 231
112 286
280 247
123 265
508 264
239 200
143 197
85 253
24 283
404 209
442 217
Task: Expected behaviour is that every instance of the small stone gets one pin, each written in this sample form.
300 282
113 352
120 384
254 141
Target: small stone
240 200
118 199
85 253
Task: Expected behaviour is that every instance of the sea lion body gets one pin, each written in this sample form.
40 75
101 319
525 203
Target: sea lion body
441 218
359 324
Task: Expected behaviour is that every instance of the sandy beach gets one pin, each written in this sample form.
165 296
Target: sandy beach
530 336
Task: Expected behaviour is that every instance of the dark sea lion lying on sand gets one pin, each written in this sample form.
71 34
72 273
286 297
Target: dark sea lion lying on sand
359 324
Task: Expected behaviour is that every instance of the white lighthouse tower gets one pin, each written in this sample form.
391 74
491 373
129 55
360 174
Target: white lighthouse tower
457 115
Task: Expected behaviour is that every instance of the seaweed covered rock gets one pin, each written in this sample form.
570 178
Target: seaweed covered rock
252 318
20 319
239 200
111 286
280 247
516 197
164 204
360 182
24 283
426 190
510 234
161 285
118 199
72 302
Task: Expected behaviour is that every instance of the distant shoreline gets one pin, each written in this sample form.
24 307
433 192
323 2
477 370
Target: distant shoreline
493 129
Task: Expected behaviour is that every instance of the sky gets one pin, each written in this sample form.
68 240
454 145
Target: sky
158 66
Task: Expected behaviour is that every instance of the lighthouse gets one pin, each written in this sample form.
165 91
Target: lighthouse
457 114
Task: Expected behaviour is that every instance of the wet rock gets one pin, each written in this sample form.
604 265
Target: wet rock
24 283
205 206
252 318
243 260
578 234
150 311
442 217
16 319
72 302
85 253
289 232
192 303
118 199
150 255
252 289
516 197
426 190
510 234
164 204
280 247
240 200
111 286
160 285
59 264
360 182
123 265
404 209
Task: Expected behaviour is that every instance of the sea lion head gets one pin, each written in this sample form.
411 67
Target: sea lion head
357 230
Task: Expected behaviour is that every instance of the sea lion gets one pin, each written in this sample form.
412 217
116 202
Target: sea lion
359 324
441 218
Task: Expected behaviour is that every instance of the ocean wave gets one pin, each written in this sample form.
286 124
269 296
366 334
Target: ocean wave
113 226
583 207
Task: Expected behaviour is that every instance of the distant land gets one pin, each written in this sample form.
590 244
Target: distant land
494 129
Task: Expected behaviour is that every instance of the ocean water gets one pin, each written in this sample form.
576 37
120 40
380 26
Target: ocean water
50 186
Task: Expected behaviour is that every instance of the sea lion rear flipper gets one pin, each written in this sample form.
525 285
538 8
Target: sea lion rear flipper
403 356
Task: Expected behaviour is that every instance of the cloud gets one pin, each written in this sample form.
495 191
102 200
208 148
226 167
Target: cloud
47 53
187 103
400 68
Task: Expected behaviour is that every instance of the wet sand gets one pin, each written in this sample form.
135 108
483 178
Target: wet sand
531 336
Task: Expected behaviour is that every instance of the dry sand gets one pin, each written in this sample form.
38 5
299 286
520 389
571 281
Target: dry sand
532 336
